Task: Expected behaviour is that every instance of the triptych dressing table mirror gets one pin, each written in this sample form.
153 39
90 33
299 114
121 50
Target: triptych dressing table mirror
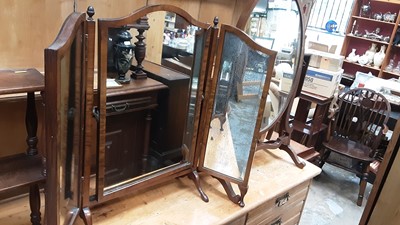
263 21
154 115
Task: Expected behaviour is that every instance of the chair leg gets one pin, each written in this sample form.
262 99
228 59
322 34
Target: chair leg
363 185
323 156
34 202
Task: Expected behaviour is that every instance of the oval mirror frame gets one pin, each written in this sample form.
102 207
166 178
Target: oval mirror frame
284 109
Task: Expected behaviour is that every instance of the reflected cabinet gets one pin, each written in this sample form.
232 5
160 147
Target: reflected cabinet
153 115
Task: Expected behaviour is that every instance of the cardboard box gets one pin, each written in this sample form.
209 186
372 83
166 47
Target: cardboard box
321 82
322 47
326 61
286 81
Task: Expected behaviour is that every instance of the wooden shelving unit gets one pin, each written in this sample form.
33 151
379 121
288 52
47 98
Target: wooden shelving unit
361 44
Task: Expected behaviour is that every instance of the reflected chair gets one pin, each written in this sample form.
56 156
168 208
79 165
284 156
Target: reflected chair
355 132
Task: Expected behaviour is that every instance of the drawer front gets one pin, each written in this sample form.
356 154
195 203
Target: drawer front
283 203
119 105
239 221
290 216
294 220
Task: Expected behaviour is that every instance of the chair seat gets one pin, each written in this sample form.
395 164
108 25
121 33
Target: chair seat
349 148
20 170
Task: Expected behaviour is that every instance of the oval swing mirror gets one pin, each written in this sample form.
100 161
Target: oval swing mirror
264 24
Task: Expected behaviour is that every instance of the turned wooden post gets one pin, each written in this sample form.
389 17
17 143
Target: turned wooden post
140 47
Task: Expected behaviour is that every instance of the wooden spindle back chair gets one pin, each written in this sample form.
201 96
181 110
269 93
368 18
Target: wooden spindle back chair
355 132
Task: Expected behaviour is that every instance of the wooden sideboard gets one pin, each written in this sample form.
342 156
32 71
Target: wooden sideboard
129 117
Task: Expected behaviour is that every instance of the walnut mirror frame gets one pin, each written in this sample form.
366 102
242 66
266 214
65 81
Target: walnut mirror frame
280 122
229 129
197 115
144 98
167 109
69 72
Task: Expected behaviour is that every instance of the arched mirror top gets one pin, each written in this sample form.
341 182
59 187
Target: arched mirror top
136 15
263 22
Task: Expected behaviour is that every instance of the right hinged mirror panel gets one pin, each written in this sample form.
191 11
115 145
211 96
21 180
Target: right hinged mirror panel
232 118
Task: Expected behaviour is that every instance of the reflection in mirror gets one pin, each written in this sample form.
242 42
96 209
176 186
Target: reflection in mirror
70 134
150 122
235 111
268 28
171 40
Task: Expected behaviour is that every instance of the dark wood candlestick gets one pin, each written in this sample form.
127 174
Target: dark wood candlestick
140 47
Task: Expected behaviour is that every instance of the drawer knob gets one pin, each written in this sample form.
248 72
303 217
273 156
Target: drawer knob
277 222
280 201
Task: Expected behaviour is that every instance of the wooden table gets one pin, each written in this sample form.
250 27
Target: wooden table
24 169
310 130
24 81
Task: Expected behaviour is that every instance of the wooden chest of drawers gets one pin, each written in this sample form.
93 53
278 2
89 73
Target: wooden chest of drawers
277 193
273 178
286 208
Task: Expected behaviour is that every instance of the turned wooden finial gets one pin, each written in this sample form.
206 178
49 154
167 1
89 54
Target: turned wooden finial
216 21
90 12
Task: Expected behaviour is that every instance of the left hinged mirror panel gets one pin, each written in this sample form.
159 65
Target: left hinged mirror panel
68 71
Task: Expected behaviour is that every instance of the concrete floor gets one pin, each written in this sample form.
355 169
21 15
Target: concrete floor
332 199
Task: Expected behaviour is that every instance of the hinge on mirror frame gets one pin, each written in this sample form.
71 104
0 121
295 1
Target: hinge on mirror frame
96 113
280 201
86 46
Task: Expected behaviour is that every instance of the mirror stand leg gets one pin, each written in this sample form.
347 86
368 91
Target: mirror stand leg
237 199
290 151
243 191
194 176
86 216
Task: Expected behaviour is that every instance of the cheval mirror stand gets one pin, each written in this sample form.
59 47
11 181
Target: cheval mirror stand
169 113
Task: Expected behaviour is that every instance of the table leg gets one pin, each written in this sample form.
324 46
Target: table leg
31 123
146 141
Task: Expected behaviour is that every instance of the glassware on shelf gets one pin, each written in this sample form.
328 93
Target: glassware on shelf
389 67
379 56
371 53
390 17
352 57
365 10
397 69
378 16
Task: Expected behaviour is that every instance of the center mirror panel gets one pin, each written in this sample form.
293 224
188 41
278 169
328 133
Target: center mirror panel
266 26
237 108
148 99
